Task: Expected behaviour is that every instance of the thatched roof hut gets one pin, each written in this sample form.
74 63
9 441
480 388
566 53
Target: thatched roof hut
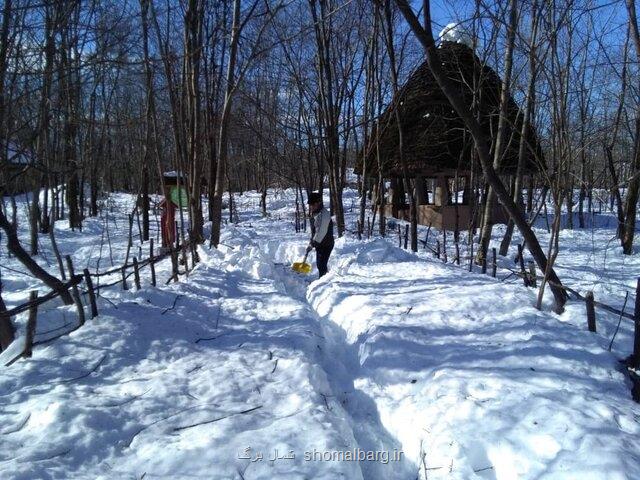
435 138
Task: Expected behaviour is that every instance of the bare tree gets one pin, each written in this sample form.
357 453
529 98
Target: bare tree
633 190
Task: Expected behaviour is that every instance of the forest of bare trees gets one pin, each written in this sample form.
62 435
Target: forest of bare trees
103 95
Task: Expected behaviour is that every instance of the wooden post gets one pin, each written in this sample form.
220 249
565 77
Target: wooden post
152 265
471 256
636 336
591 312
31 325
7 333
399 237
438 248
75 293
174 265
525 278
444 244
426 240
494 263
406 236
532 274
130 240
136 273
92 295
124 278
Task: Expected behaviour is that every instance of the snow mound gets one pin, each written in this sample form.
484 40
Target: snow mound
250 260
381 251
232 236
456 33
378 251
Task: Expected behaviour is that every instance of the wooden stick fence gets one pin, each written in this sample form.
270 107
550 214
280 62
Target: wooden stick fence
90 290
530 279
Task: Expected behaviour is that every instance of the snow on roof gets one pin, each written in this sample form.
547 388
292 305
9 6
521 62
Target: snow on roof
456 33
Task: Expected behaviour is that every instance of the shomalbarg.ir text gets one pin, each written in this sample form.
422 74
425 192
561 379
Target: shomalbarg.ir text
315 455
354 455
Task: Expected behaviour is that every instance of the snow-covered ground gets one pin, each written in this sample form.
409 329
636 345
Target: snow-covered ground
394 365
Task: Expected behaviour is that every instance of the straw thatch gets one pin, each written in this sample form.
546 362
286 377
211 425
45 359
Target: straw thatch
434 136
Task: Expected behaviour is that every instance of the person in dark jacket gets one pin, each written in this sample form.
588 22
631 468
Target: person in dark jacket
321 232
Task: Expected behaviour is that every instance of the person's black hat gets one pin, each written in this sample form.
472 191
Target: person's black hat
314 197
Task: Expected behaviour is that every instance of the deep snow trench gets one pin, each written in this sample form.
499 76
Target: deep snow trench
340 361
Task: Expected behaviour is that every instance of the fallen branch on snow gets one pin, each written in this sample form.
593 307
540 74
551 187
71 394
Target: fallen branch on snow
206 422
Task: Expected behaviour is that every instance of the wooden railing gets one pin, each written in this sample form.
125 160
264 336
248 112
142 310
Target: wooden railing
91 290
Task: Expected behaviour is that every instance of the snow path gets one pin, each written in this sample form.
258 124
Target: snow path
179 391
340 362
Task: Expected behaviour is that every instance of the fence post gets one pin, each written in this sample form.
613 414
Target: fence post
6 328
444 244
124 277
136 273
152 265
406 236
471 257
438 248
31 325
92 295
525 278
75 293
636 333
591 311
532 274
494 265
174 265
399 237
130 240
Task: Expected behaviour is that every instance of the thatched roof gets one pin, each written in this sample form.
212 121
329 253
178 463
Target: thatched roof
435 138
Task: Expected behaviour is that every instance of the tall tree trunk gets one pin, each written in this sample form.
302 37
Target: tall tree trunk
223 141
500 140
413 211
193 36
327 109
633 190
524 131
